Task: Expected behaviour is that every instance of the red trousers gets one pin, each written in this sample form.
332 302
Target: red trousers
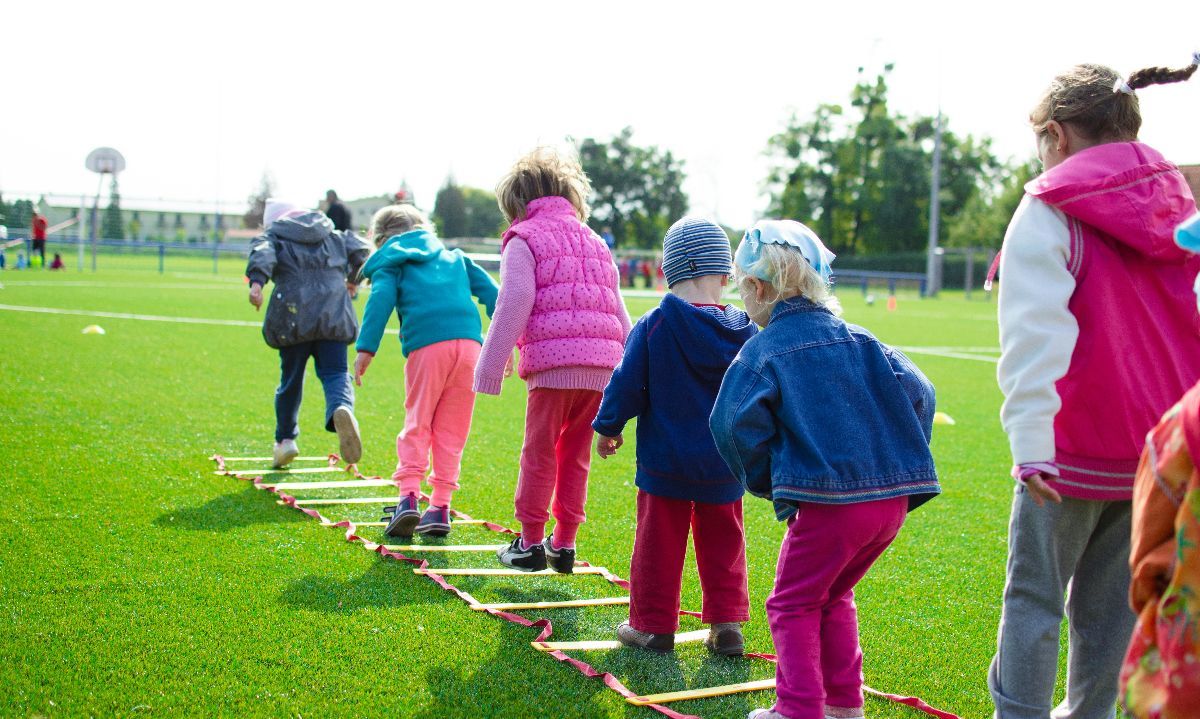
659 550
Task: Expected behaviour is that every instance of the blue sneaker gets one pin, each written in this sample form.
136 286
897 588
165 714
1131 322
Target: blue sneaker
404 517
435 522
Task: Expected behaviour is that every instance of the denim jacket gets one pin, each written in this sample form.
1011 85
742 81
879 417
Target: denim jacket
817 410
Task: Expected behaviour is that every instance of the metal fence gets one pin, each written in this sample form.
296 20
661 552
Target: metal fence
126 255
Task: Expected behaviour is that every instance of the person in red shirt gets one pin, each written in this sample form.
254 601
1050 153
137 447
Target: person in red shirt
38 225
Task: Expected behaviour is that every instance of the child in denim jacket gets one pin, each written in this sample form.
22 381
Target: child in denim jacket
833 427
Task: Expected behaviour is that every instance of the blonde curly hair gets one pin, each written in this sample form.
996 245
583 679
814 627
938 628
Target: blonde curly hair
544 172
791 276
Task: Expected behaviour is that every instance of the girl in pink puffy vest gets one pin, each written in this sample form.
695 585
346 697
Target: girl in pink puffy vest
560 305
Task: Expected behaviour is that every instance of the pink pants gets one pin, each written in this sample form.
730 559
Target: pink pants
555 460
659 549
814 623
437 414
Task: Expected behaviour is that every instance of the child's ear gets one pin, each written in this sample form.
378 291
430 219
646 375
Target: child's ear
760 289
724 280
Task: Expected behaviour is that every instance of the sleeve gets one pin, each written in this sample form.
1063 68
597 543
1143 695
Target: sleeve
627 394
1037 330
514 304
357 252
483 287
1160 488
917 386
260 266
380 305
743 424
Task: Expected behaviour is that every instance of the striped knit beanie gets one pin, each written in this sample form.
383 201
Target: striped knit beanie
695 247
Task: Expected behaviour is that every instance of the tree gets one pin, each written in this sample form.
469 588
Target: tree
484 218
637 191
253 218
985 217
450 210
863 182
112 225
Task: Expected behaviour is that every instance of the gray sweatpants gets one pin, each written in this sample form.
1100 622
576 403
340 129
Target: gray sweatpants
1080 548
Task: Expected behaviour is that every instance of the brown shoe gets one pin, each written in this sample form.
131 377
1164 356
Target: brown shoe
726 639
631 637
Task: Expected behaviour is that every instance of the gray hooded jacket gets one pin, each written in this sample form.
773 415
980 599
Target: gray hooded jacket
310 263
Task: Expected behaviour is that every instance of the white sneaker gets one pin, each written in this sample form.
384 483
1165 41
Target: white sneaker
285 452
349 441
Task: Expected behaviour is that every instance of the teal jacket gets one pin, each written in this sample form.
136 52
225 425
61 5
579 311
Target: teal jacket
429 287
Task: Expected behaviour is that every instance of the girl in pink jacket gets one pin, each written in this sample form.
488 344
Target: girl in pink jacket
560 305
1097 338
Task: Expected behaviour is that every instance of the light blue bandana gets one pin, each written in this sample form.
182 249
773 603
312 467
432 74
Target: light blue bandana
782 232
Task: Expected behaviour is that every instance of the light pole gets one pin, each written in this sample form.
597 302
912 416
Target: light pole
933 278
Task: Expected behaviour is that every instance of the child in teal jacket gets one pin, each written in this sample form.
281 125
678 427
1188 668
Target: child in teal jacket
430 289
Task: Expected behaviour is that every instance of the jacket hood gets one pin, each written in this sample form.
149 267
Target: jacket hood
416 246
709 345
1124 189
311 228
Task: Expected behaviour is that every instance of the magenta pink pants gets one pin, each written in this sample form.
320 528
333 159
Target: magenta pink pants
555 460
814 623
437 416
659 550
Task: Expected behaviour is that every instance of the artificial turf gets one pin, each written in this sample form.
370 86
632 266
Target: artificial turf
133 580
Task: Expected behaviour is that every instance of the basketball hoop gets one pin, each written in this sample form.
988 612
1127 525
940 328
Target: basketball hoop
105 160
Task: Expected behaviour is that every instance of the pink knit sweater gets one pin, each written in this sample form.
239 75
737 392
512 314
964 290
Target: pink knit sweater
514 306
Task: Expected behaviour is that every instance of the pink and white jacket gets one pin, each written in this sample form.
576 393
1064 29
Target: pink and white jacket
559 303
1099 333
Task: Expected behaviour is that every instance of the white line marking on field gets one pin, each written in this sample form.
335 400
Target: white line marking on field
144 318
948 352
118 285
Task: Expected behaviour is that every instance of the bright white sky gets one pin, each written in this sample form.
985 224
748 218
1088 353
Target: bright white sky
203 97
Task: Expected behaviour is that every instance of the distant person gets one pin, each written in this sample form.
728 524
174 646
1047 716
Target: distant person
57 264
609 239
337 212
429 288
560 303
310 315
668 379
38 226
1097 340
833 427
22 263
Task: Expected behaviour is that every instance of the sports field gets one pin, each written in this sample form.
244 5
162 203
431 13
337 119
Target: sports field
135 581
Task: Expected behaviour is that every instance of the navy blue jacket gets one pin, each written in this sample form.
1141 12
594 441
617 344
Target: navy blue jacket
817 410
674 359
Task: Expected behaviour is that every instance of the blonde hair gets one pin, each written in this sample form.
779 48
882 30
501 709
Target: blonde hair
545 172
791 276
395 220
1089 98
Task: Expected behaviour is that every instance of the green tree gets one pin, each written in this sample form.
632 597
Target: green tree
450 210
112 224
484 218
637 191
985 217
253 218
861 178
20 216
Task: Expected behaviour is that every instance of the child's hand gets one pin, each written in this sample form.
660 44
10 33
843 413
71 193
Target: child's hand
608 446
361 362
508 366
352 289
256 295
1040 491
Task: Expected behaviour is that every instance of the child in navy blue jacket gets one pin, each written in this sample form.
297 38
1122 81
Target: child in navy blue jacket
674 360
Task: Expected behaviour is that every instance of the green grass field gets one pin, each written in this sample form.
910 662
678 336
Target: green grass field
135 581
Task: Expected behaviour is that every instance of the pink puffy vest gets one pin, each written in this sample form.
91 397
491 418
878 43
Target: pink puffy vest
1139 335
574 322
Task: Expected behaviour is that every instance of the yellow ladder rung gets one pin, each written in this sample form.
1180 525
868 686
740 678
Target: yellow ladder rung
682 638
601 602
453 522
443 548
345 500
505 572
271 459
338 484
760 685
298 470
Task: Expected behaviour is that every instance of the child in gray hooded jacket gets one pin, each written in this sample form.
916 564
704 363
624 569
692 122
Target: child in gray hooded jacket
310 315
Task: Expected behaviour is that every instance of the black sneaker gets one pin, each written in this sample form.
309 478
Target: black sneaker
527 560
404 518
561 560
435 522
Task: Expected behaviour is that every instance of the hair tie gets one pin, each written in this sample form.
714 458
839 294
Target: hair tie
1122 86
1196 58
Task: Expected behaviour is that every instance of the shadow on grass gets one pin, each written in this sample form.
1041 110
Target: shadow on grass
385 584
229 511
